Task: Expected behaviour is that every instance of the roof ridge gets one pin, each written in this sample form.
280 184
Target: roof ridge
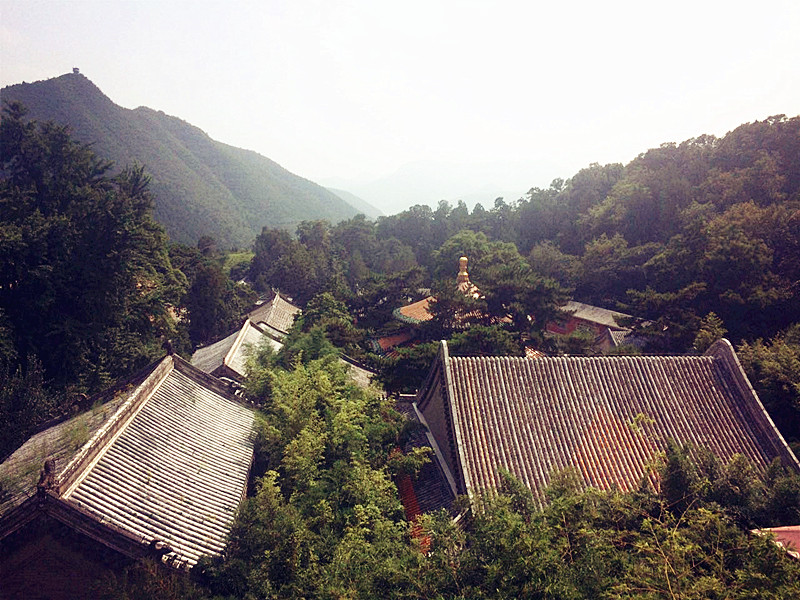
95 447
640 358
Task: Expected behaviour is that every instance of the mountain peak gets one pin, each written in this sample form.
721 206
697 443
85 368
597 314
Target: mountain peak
201 186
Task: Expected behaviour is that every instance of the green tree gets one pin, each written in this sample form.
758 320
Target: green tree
325 520
452 311
330 315
508 288
588 543
301 267
610 267
215 304
377 298
578 343
480 340
413 227
408 370
548 261
672 322
305 346
82 253
25 402
711 330
513 292
474 245
270 245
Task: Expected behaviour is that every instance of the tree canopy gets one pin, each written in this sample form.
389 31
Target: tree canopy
85 277
707 226
325 521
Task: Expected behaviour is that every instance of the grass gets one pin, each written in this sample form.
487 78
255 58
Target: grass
78 434
235 259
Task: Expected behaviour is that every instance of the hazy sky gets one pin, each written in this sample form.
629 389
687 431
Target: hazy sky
355 89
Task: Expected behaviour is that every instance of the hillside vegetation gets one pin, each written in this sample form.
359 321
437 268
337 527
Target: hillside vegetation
201 186
698 239
684 230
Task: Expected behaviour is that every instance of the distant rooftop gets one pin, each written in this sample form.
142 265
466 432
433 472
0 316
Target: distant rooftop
416 312
786 537
276 316
228 356
419 312
595 314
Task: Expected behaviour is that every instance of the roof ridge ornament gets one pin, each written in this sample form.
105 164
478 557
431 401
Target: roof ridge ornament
47 476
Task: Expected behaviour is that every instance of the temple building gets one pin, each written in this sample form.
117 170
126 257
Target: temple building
276 316
605 417
419 312
156 466
416 313
605 325
227 358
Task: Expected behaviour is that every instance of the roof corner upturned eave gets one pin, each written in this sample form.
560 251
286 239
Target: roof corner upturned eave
723 353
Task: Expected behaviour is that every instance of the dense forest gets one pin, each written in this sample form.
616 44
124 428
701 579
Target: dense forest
709 225
696 240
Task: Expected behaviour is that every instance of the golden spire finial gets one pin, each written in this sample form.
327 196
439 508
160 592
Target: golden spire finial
463 276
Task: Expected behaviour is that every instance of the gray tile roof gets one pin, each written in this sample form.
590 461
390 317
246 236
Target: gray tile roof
170 464
604 416
231 352
359 373
278 314
19 473
60 441
595 314
211 357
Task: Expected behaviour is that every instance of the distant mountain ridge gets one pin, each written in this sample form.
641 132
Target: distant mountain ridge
358 203
201 186
429 181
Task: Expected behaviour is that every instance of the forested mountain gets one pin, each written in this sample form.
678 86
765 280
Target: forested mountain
201 186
